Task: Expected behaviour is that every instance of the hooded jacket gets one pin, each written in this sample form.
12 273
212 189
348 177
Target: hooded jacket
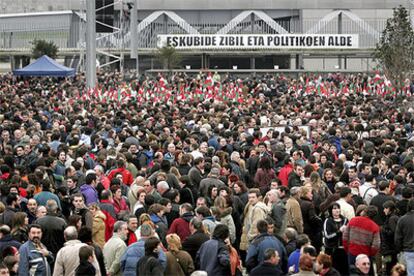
180 226
227 219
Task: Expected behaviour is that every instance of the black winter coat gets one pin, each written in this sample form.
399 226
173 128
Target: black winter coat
149 266
85 269
294 180
387 235
312 224
52 228
193 243
379 201
266 269
332 237
332 272
404 233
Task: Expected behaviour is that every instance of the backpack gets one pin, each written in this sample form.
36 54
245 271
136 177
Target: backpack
365 194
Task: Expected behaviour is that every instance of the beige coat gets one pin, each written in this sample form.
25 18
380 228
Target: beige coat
67 259
294 215
252 214
113 251
98 229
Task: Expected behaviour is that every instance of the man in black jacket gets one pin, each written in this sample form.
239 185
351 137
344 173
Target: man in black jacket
379 200
407 194
193 243
295 177
404 237
269 265
52 228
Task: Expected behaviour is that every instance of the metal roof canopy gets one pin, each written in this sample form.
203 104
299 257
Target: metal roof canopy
266 4
28 14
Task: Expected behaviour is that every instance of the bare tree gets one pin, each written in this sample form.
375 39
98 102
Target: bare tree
395 50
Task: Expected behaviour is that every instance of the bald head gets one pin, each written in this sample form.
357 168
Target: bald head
32 205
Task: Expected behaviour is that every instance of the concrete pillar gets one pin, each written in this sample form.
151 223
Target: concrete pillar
90 44
165 24
340 32
299 62
205 61
13 63
202 61
252 59
299 57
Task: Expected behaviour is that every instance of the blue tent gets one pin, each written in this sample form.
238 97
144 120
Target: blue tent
45 66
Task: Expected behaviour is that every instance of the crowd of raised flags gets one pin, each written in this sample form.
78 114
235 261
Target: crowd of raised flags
158 90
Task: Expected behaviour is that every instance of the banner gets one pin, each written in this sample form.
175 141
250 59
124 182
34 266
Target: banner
253 41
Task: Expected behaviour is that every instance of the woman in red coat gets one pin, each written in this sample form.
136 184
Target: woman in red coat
120 205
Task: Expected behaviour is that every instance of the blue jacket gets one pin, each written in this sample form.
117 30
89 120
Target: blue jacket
294 260
259 245
89 193
59 173
32 262
7 241
214 258
162 227
213 142
42 198
132 255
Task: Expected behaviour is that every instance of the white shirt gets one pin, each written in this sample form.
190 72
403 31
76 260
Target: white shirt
346 209
367 192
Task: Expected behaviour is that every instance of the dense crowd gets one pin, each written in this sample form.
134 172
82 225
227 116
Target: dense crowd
206 175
